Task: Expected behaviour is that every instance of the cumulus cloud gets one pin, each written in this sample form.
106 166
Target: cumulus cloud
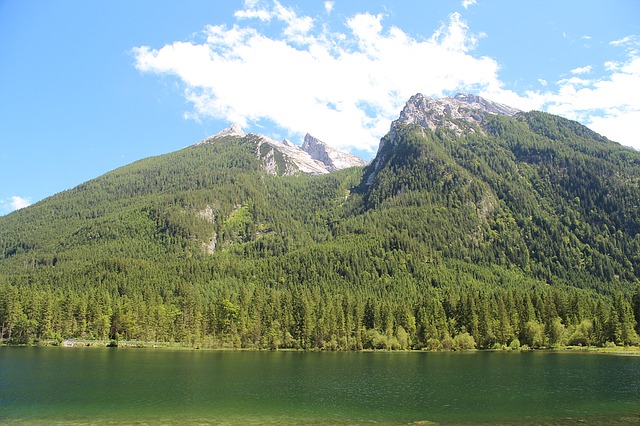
14 202
345 87
18 202
296 26
609 104
467 3
328 6
630 39
582 70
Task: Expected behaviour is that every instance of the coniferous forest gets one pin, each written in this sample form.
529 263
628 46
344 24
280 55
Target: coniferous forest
524 233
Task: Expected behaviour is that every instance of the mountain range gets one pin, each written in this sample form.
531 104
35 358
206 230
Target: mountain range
475 225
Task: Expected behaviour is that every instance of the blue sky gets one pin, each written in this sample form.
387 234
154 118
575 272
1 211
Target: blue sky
86 87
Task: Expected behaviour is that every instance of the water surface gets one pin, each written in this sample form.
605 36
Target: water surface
101 385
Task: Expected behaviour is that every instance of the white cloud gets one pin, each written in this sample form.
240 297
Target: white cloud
328 6
261 14
583 70
620 126
346 87
467 3
296 26
14 202
607 104
624 41
19 202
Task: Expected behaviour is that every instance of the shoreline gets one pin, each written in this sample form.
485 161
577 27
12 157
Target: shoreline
134 344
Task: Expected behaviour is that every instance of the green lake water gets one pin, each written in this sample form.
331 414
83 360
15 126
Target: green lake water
147 386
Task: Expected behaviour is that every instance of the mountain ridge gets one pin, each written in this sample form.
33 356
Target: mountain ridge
524 231
459 114
314 157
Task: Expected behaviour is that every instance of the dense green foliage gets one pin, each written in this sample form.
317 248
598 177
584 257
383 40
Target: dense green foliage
525 233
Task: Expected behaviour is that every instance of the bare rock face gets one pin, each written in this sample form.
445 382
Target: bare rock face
284 158
233 130
459 113
330 157
486 105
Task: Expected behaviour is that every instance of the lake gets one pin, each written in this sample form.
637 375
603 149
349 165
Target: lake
103 385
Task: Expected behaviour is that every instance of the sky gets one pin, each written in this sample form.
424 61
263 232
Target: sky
87 87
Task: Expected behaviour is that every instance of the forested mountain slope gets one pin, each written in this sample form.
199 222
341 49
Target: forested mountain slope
475 225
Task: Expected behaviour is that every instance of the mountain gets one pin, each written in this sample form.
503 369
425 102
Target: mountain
525 184
286 159
476 225
330 157
461 114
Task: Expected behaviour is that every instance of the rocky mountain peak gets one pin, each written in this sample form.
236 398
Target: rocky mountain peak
460 113
486 105
233 130
286 158
330 157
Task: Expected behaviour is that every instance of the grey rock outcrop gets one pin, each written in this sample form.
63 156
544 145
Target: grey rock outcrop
284 158
332 158
459 114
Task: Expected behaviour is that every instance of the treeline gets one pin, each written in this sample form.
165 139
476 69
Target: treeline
264 317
